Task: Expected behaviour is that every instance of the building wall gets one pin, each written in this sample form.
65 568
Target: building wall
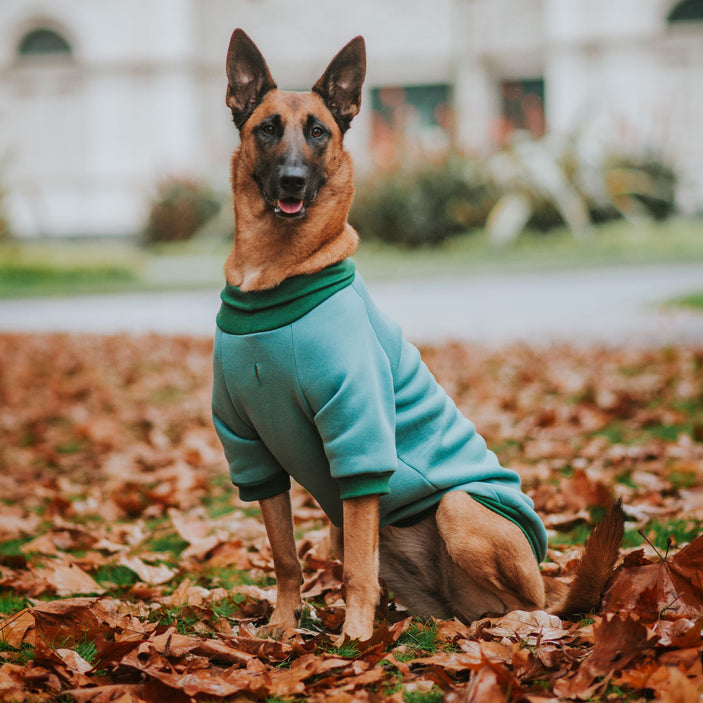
84 137
84 141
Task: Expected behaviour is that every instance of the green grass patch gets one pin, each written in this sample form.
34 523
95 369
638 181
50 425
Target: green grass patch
434 695
87 649
76 267
694 301
115 576
420 637
49 268
622 432
17 655
658 532
346 650
12 548
227 607
185 618
611 244
12 603
163 537
230 578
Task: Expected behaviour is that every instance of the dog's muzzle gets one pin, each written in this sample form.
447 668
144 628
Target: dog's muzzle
292 187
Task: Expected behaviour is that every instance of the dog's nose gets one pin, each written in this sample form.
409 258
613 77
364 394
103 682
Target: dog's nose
293 179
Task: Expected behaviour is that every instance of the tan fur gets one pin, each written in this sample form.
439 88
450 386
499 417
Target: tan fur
465 561
361 516
266 249
278 520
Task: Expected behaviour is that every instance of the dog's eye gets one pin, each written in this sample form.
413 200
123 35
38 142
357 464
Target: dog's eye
269 130
317 132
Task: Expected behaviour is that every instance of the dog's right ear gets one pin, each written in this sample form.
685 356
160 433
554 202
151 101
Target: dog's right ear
248 76
340 85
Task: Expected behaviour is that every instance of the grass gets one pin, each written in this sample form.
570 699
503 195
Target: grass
420 638
615 243
694 301
658 532
48 268
76 267
11 603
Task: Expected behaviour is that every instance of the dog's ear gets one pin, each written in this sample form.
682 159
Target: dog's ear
340 85
248 77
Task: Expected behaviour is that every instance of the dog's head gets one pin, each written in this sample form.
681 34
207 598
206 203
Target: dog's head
293 141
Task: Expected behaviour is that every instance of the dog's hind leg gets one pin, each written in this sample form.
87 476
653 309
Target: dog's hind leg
415 566
278 519
463 561
495 569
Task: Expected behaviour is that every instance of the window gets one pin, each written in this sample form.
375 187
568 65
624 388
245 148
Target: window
415 118
43 42
687 11
521 108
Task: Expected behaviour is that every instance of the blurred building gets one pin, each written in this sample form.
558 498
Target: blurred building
100 99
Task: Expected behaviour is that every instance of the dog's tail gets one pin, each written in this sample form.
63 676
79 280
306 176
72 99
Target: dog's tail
593 572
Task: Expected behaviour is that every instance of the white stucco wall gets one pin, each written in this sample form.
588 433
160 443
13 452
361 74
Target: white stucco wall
84 142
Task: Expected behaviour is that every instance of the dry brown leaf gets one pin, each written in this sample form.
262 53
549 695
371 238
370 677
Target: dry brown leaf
17 628
154 575
69 579
671 588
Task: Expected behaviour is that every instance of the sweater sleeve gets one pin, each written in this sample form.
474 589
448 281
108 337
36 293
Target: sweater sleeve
346 379
252 468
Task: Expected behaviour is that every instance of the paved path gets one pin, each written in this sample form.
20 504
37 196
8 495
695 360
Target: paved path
606 305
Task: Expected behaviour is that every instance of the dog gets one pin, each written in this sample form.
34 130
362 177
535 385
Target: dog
312 382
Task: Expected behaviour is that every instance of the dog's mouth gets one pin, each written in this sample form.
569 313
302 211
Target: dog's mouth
289 207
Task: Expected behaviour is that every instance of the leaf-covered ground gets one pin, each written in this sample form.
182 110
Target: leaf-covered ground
130 571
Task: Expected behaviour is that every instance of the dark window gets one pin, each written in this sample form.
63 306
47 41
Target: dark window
413 120
427 103
687 11
43 41
522 107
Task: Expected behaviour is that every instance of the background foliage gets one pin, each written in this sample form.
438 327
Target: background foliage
179 209
536 184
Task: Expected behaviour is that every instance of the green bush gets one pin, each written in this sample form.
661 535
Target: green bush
536 184
422 205
181 207
645 183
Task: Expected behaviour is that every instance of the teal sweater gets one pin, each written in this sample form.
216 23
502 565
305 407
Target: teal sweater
313 382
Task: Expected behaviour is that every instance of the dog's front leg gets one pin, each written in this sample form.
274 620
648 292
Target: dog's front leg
361 516
278 519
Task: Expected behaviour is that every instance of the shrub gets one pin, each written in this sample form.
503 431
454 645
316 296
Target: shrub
423 204
180 208
641 183
538 184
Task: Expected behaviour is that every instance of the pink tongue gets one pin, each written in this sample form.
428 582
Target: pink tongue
290 207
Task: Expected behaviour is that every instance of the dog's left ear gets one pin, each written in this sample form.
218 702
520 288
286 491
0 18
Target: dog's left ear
340 85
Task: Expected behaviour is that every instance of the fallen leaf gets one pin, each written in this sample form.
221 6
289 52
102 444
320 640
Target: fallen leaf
154 575
671 588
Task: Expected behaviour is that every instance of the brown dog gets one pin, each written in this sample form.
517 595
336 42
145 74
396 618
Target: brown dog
449 550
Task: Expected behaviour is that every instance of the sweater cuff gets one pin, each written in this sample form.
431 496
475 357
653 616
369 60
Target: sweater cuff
364 485
279 483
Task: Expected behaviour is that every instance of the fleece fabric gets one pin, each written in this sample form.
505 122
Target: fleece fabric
313 382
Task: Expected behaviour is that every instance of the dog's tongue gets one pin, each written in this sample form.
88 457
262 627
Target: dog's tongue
290 207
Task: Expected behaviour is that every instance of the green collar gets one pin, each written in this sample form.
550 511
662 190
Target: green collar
260 311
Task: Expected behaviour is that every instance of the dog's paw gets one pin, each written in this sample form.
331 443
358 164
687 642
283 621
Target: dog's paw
352 631
279 623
